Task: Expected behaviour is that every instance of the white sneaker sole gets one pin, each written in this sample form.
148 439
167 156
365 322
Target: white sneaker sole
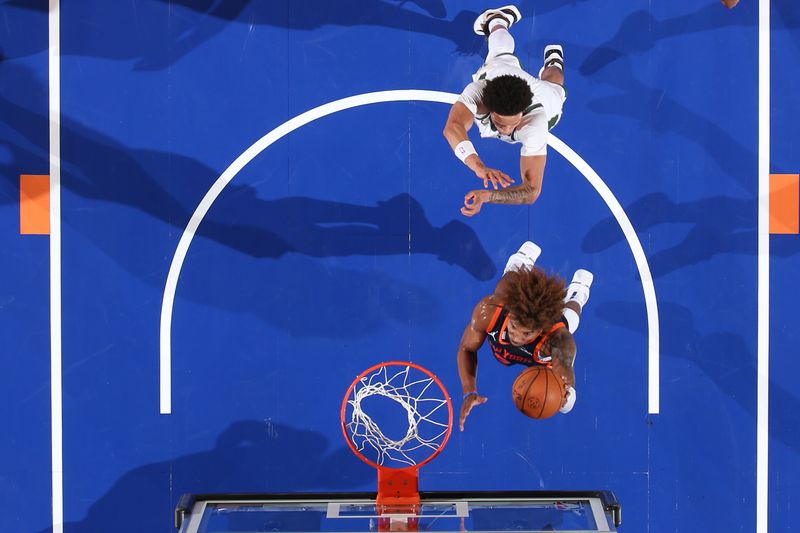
530 250
584 277
480 22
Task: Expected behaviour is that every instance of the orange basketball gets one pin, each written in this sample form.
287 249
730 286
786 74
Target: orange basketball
538 392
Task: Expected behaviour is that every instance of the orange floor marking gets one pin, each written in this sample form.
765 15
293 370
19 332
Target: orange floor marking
34 204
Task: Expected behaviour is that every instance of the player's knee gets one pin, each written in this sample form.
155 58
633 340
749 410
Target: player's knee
501 42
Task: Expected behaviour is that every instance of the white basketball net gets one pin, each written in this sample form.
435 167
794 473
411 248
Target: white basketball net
393 382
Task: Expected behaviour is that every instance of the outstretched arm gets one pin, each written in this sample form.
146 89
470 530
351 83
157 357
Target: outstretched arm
562 349
532 171
467 358
459 121
531 168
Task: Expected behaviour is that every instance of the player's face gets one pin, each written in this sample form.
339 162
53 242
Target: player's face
506 124
520 335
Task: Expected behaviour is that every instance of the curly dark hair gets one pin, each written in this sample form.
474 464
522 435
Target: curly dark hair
507 95
534 298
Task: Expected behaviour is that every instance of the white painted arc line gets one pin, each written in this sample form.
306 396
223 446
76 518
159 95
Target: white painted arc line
762 386
641 264
165 341
165 385
56 421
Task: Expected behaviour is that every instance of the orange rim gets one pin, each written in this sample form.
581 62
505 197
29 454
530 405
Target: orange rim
424 371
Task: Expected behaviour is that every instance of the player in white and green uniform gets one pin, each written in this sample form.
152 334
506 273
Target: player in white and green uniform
507 103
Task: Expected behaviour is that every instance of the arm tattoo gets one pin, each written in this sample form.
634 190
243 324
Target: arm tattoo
521 194
563 354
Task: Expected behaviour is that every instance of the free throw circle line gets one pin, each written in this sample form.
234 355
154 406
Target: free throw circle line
403 95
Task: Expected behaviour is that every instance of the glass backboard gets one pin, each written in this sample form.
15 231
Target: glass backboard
529 512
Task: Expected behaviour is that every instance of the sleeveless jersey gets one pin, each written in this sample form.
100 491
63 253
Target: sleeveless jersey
508 354
541 115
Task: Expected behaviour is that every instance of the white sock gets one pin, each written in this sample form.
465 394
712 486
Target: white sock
573 319
499 21
578 289
553 57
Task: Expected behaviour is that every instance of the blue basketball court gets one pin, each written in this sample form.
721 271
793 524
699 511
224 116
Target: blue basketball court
255 203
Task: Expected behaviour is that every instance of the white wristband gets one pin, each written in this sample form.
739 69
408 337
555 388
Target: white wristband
464 149
570 403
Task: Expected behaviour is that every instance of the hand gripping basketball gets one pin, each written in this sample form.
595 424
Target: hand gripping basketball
539 392
470 401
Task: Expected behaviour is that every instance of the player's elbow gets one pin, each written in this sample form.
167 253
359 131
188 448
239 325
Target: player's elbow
450 131
532 196
532 188
466 354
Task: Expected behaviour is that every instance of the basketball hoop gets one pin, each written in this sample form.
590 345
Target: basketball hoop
397 446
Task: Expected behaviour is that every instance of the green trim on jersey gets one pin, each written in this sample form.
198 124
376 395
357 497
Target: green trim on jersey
531 107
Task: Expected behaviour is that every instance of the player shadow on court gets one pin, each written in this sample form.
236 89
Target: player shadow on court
655 110
717 225
272 291
384 13
249 456
640 31
99 169
535 8
307 299
176 27
391 14
263 228
232 9
322 228
724 358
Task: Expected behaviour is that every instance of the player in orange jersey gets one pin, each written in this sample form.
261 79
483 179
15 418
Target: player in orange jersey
528 320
